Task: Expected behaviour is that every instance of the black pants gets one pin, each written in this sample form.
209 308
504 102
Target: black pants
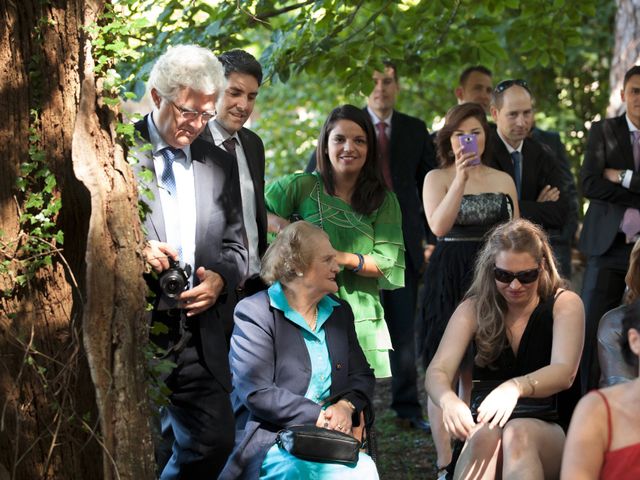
602 289
197 427
400 312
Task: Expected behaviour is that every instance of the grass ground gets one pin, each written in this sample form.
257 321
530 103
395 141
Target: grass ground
403 454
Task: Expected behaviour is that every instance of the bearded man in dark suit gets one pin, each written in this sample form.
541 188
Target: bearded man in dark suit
611 181
194 218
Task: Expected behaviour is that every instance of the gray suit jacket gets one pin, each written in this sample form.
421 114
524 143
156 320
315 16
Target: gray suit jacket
271 373
219 236
608 146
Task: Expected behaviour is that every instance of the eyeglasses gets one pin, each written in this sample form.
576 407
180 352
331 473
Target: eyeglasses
505 84
524 277
192 114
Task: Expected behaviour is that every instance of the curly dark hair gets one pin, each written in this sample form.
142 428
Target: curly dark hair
455 116
370 189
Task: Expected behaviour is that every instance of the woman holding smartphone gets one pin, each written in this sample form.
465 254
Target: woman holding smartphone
463 200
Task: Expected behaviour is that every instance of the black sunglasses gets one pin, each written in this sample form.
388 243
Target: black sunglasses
505 84
524 277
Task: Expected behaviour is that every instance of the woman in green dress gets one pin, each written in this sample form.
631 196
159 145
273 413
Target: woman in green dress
348 199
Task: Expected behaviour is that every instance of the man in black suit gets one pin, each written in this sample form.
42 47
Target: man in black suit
611 181
407 155
534 170
243 74
561 239
194 218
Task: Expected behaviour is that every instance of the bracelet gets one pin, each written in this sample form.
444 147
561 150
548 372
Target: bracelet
350 405
360 263
532 384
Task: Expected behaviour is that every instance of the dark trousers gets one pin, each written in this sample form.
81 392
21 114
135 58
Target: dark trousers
400 312
197 427
602 290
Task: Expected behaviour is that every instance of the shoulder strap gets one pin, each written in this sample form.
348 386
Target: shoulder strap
606 404
558 292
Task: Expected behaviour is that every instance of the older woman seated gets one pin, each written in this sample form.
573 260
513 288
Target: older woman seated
293 348
527 334
604 436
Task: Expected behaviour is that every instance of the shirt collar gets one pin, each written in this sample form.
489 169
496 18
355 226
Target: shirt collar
376 120
632 127
278 300
510 149
157 142
219 133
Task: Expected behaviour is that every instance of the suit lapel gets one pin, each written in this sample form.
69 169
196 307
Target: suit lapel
203 182
501 154
154 221
623 137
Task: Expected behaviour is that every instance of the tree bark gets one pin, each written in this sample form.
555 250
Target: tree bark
626 51
73 400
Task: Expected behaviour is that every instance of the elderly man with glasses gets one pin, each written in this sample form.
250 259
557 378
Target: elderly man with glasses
535 172
194 218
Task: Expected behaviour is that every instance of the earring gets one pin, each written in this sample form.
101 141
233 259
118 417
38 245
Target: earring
299 274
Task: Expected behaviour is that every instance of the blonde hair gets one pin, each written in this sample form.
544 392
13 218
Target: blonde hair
520 236
632 279
291 252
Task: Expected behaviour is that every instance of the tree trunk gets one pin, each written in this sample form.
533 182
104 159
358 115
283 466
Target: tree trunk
626 51
72 386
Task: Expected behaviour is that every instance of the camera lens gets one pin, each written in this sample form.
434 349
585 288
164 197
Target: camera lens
172 283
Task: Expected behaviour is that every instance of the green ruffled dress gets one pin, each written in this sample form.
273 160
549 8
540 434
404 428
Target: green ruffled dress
378 235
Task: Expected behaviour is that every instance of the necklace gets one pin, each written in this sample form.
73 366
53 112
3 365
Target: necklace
312 325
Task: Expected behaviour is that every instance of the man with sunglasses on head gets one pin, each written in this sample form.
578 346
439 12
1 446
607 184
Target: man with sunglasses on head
194 218
611 181
534 170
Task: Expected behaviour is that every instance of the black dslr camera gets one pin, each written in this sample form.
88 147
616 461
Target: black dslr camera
175 279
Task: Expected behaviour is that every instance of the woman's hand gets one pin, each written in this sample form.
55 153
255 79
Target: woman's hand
338 417
496 408
463 163
457 417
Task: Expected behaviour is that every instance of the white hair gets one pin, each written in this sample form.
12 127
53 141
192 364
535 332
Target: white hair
186 66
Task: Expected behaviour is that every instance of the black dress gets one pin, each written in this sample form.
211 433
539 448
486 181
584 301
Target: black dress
534 352
450 269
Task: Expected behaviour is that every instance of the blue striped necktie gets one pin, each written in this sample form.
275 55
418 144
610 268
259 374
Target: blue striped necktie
516 156
169 154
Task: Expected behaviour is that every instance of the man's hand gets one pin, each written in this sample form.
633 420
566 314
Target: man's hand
205 295
611 174
548 194
156 253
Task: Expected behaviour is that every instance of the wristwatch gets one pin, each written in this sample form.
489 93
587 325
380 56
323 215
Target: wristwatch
621 176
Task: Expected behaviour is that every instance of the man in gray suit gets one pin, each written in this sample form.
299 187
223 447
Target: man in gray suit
244 76
194 218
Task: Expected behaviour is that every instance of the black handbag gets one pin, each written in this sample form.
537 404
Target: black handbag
540 408
319 444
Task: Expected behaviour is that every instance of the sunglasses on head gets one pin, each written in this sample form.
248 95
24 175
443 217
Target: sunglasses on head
525 276
505 84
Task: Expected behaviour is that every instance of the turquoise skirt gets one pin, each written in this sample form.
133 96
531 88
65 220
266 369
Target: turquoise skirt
280 464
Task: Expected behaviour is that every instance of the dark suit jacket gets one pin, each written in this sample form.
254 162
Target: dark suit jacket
219 237
411 156
608 146
271 374
551 141
254 152
539 169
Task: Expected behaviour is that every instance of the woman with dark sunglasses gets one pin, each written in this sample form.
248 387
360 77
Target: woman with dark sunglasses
526 332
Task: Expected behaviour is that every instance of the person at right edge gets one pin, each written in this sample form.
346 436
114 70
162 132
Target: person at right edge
611 182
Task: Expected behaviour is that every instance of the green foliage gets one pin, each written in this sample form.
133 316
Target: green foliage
40 204
318 54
